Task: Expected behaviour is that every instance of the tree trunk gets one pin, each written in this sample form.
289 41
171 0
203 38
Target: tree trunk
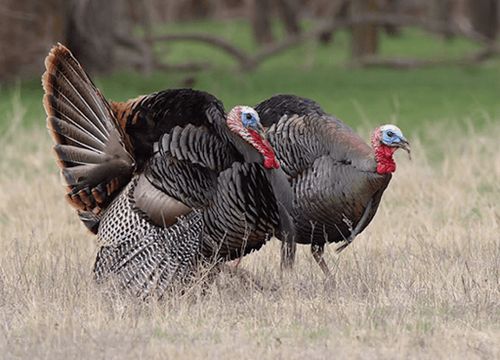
261 21
28 29
364 38
484 17
288 11
391 7
90 33
443 11
336 10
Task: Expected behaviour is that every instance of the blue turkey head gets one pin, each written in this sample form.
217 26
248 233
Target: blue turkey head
392 136
250 119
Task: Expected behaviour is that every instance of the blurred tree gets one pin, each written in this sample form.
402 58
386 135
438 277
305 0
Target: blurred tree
484 17
194 9
442 11
336 10
90 32
289 10
99 33
364 39
459 15
261 21
262 16
392 7
27 30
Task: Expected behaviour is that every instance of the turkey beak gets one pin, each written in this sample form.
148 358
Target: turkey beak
260 130
405 145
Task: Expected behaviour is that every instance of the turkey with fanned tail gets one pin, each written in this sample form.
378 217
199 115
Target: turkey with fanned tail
338 180
165 180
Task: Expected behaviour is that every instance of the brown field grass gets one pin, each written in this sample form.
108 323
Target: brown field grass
421 282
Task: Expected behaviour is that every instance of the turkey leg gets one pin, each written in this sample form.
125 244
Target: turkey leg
317 251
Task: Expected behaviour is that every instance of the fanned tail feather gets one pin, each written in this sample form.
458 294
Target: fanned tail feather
92 150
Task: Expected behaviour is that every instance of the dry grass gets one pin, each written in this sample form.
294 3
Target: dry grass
421 282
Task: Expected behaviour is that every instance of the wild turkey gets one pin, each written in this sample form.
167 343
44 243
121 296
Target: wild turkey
187 184
337 179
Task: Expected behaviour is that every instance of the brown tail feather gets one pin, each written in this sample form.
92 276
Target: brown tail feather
74 134
91 148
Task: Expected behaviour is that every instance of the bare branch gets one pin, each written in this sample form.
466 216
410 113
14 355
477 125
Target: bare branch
248 62
240 55
188 66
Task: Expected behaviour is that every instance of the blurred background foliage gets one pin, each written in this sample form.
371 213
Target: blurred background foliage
367 61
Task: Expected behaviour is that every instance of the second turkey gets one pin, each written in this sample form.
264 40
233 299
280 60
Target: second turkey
338 180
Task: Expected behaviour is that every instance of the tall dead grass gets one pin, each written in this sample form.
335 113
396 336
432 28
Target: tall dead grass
422 280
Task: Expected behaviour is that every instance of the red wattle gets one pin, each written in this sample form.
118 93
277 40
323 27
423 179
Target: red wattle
263 146
384 157
271 163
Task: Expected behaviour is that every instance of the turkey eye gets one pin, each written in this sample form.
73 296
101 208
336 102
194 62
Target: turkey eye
390 133
249 116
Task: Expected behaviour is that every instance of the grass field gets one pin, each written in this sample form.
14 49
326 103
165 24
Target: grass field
423 281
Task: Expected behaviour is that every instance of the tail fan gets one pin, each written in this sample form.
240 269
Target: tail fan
93 152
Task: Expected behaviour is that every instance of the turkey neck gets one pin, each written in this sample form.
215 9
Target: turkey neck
281 187
250 153
277 178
